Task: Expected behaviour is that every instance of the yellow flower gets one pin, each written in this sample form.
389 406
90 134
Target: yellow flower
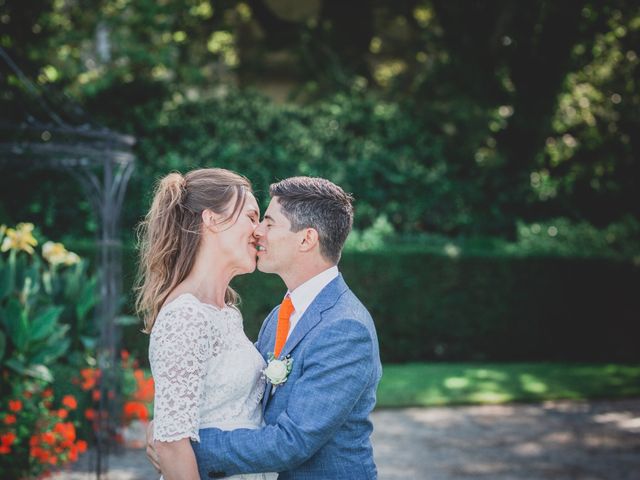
20 238
72 259
56 254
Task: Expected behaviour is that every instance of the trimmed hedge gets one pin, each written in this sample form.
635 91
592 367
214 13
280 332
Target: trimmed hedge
477 308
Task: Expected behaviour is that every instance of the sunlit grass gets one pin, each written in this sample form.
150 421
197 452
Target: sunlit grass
429 384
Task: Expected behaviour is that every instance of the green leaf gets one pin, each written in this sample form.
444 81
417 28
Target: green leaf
51 352
88 343
6 283
3 344
36 371
45 323
17 324
87 300
126 320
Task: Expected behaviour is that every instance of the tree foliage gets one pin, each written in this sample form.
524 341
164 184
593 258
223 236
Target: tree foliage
449 117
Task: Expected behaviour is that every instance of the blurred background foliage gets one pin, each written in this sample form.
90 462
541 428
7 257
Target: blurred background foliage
446 117
489 129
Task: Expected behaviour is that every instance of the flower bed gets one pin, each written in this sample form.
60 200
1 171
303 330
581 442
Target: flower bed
46 333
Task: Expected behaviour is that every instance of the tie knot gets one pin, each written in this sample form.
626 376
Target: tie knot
286 307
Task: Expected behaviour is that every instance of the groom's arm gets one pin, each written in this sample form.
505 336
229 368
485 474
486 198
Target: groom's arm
338 365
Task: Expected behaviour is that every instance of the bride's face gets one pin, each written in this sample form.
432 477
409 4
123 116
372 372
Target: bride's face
236 241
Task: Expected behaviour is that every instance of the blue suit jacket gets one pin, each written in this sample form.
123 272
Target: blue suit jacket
318 421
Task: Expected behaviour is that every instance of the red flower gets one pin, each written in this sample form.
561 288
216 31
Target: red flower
49 438
47 393
70 402
89 378
124 355
95 395
67 430
82 446
133 410
4 450
15 405
90 414
9 419
7 439
62 413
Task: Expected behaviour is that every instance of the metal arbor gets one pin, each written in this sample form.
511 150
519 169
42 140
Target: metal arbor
102 162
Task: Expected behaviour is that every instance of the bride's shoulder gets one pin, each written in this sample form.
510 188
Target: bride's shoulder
182 309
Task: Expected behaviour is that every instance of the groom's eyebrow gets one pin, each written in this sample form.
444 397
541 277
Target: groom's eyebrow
268 217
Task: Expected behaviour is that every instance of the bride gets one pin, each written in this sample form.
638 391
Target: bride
197 236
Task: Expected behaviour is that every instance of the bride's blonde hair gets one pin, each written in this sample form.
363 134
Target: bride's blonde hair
169 236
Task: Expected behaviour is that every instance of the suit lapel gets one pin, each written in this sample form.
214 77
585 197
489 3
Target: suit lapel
327 297
269 334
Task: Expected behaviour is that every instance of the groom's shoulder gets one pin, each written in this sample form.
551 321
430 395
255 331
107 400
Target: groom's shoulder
349 305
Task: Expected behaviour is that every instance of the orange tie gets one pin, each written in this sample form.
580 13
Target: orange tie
286 309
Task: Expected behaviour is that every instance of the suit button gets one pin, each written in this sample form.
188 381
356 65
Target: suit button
217 474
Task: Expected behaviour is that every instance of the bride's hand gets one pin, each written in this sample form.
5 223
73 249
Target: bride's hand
152 454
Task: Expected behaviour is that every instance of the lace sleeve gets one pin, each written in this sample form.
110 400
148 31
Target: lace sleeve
180 345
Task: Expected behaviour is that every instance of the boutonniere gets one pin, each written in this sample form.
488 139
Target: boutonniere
277 371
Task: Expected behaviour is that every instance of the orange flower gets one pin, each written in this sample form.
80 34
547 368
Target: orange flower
82 446
89 378
90 414
124 355
145 389
67 430
133 410
62 413
7 439
73 454
9 419
70 402
49 438
15 405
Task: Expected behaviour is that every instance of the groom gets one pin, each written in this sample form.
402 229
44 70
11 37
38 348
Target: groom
317 419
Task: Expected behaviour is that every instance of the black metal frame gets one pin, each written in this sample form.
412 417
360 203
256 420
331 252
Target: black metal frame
102 162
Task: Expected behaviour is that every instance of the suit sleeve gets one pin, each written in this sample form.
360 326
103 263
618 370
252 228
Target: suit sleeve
337 368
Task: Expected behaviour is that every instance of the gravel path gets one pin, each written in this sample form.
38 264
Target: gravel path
552 441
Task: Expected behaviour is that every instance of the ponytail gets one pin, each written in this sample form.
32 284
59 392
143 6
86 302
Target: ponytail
169 236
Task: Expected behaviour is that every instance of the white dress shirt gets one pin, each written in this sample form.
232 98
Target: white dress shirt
306 293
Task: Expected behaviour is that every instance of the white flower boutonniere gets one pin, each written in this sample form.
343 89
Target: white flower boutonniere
277 371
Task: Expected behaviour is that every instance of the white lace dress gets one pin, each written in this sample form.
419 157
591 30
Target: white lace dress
207 373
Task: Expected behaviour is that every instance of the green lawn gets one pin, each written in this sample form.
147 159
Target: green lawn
428 384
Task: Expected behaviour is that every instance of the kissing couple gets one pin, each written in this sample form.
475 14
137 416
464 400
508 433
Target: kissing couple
294 405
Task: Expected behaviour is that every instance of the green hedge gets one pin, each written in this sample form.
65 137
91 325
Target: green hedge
477 308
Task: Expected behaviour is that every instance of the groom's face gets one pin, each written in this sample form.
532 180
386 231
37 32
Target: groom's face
276 242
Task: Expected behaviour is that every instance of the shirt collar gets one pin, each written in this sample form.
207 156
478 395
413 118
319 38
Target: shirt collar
302 296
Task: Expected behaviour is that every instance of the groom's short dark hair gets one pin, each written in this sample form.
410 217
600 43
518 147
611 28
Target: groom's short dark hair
311 202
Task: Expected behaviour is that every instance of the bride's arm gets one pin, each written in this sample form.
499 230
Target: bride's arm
177 460
179 347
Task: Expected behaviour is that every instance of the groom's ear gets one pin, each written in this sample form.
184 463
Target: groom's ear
308 240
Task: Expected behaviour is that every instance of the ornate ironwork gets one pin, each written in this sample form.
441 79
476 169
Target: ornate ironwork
102 162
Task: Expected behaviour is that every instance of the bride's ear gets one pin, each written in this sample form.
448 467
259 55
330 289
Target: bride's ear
210 219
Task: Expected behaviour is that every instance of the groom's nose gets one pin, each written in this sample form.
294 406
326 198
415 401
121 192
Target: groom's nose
259 230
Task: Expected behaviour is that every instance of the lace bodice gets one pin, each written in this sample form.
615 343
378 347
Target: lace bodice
207 372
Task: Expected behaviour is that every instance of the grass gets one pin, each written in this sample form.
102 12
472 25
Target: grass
431 384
